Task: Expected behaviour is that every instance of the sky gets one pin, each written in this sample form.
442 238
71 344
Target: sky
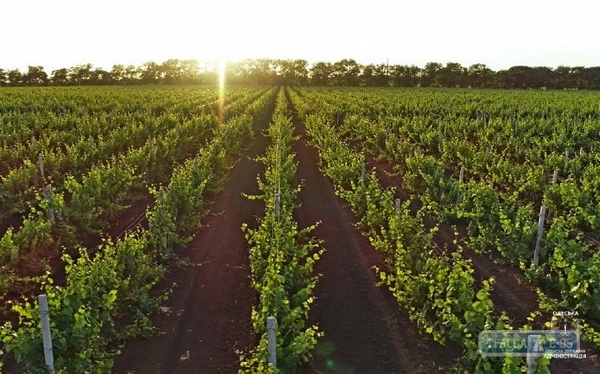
498 33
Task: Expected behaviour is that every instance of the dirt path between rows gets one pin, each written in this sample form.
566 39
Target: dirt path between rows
208 315
366 331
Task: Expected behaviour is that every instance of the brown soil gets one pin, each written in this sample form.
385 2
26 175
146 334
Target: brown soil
8 219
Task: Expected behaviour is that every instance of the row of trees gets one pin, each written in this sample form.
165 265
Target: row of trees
346 72
172 71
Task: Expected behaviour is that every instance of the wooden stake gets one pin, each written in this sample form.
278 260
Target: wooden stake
461 178
272 340
533 344
540 234
41 162
362 173
46 333
48 193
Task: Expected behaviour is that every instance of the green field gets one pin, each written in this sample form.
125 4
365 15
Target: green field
101 186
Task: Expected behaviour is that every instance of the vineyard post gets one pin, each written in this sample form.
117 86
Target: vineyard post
540 233
554 181
533 346
398 202
164 243
48 193
362 173
277 205
461 178
41 161
161 198
33 141
46 334
272 340
566 157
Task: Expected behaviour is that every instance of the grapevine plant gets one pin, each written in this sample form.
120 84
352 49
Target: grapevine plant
282 259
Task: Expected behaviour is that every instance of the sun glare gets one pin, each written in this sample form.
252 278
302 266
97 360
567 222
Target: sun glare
221 68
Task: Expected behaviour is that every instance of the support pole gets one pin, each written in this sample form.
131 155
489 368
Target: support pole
533 349
540 234
362 173
48 193
398 202
41 162
164 242
461 178
46 335
272 337
277 205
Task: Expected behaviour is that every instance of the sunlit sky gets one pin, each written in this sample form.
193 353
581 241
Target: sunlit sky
499 33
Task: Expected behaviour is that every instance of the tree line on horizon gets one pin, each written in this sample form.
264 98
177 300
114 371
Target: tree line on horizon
346 72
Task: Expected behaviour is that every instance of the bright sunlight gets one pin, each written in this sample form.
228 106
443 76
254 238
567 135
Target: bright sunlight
221 68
